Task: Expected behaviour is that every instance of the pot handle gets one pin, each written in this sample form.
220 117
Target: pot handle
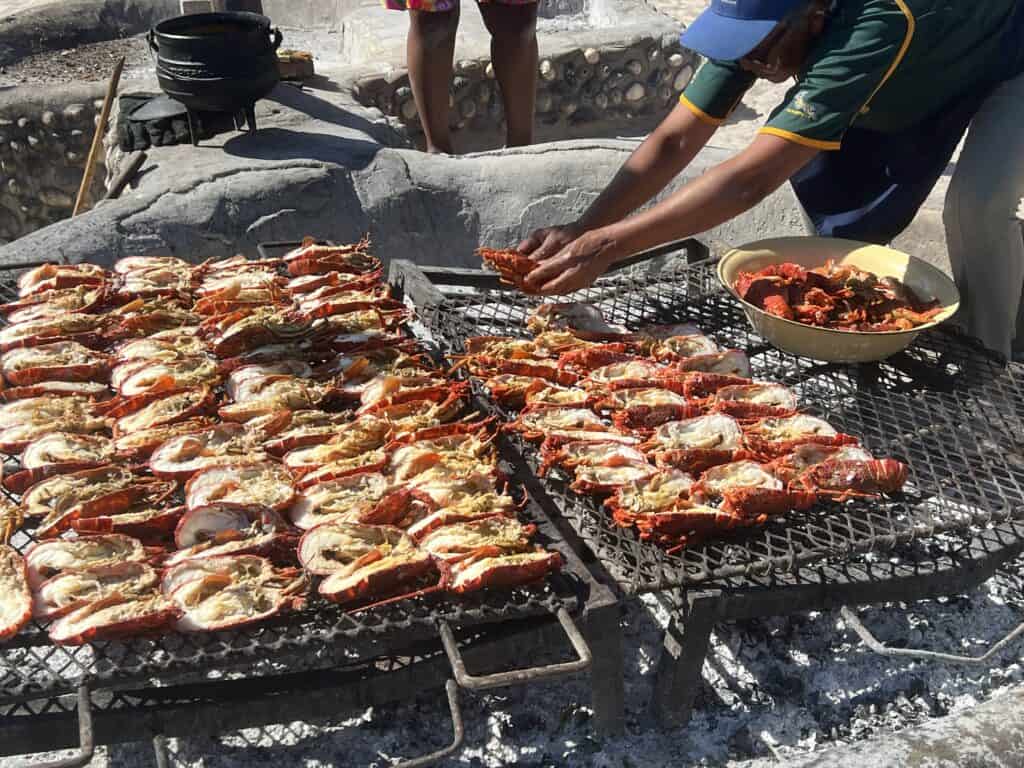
278 37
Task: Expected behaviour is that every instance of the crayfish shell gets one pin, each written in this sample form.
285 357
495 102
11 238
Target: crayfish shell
15 597
377 580
269 544
149 411
503 571
113 617
62 360
732 362
23 421
181 457
738 474
238 568
72 590
334 546
263 484
58 454
606 479
502 533
711 431
50 558
49 277
348 499
218 601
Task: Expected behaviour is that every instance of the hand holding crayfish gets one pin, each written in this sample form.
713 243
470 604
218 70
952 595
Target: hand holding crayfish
565 259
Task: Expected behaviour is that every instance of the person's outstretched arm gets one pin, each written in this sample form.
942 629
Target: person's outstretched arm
719 195
658 160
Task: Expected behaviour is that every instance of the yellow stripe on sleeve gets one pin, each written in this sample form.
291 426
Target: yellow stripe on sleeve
798 139
700 113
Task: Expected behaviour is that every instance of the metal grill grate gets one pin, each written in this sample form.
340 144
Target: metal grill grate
953 411
36 677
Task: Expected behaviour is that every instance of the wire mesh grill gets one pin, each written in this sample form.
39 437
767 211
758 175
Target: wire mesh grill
950 409
36 676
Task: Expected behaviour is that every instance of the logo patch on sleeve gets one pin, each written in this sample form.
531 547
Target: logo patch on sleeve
800 107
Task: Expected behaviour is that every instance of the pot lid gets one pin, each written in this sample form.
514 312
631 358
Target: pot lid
157 108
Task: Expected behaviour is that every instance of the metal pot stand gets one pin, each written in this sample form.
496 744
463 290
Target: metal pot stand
952 410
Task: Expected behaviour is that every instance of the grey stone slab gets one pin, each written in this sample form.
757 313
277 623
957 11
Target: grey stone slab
322 164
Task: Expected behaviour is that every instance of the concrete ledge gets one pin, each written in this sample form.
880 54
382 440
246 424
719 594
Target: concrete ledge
323 164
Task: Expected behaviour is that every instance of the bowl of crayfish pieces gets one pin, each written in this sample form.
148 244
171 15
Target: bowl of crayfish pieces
840 301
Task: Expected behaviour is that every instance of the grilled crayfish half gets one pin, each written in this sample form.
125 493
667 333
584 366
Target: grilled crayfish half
220 593
15 597
63 500
363 563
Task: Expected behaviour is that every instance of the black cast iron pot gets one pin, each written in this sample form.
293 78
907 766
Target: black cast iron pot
216 62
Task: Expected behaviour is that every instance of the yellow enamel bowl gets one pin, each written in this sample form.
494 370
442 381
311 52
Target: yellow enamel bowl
828 344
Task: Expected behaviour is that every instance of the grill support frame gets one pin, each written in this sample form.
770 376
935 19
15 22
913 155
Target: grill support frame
205 710
818 585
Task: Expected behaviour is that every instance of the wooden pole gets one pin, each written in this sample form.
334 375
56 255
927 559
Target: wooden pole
97 139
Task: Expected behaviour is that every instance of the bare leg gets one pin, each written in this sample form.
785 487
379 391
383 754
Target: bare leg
430 49
513 31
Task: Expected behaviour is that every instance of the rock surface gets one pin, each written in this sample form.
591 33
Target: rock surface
323 164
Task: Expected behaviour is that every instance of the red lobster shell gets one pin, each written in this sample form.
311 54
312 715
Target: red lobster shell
58 454
71 590
265 484
63 360
488 569
114 617
15 597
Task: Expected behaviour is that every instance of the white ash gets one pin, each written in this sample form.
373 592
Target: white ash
774 689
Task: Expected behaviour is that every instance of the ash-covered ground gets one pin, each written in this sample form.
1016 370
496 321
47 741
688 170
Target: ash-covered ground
774 689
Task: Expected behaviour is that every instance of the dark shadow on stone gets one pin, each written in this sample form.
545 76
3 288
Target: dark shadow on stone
286 144
304 101
323 83
141 174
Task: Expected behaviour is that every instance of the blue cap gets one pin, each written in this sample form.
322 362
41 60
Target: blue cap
730 29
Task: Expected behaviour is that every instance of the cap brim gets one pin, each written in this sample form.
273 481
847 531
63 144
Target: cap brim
725 38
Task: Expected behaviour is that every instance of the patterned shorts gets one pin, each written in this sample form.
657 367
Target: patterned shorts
441 6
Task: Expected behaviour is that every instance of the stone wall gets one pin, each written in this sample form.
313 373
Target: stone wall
580 92
45 136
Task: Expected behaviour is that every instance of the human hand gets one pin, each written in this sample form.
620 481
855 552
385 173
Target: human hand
546 242
577 265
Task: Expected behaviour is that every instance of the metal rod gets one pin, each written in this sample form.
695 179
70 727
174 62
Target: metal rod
458 733
85 736
950 658
518 676
692 246
160 752
97 138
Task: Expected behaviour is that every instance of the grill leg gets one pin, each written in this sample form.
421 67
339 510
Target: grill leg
682 659
163 759
193 132
250 117
604 636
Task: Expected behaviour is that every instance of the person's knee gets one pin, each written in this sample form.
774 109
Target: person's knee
516 26
983 199
435 29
